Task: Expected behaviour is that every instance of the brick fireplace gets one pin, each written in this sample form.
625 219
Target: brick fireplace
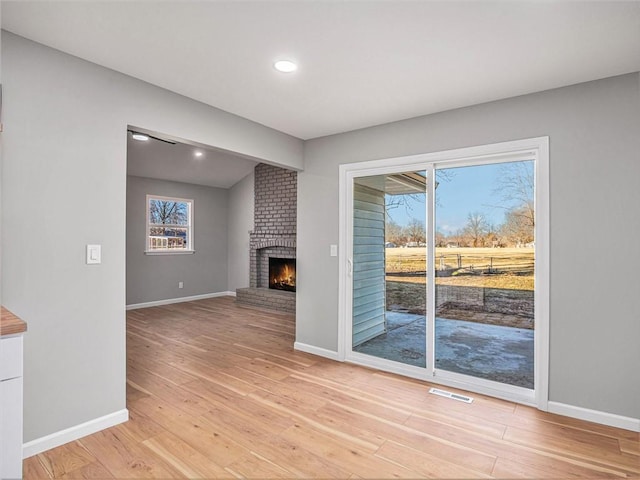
273 236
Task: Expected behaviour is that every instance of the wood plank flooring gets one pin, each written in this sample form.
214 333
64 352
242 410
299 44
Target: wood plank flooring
216 390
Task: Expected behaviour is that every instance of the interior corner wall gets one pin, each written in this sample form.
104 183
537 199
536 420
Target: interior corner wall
151 278
594 170
63 187
241 207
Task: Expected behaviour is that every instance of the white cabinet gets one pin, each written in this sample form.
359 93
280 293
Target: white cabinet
11 407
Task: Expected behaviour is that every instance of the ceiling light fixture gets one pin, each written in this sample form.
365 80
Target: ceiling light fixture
198 154
143 137
285 66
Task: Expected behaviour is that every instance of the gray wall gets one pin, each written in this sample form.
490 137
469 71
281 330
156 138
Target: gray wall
240 220
155 277
1 155
594 131
64 186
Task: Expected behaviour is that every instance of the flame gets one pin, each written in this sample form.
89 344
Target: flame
283 276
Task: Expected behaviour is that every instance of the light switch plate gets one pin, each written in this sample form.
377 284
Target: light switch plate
94 254
334 250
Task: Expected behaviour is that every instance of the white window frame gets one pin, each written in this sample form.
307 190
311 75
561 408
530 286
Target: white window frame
169 251
532 148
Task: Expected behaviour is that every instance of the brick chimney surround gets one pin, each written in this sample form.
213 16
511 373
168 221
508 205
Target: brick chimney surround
273 235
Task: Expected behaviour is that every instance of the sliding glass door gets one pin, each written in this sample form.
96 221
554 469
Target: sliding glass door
440 268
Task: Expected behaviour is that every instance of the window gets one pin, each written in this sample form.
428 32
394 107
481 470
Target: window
169 225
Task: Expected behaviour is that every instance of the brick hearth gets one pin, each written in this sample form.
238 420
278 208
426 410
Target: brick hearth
265 298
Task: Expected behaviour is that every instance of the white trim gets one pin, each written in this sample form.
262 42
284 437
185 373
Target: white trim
67 435
526 149
345 202
511 393
321 352
430 287
384 365
523 148
596 416
450 379
169 252
541 278
169 301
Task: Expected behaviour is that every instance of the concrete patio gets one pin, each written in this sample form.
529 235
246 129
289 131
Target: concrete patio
503 354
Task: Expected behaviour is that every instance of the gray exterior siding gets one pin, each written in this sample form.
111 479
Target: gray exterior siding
368 264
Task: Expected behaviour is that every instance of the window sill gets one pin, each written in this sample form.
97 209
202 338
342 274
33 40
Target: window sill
169 252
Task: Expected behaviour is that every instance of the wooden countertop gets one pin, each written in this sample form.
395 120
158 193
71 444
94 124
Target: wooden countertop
10 324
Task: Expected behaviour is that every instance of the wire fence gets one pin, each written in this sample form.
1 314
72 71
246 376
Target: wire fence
451 263
493 264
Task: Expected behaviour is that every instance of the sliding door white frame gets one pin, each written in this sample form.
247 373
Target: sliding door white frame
536 149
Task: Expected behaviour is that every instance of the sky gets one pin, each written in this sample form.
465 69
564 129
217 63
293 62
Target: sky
469 189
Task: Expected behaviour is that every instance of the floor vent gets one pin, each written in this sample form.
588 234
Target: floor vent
455 396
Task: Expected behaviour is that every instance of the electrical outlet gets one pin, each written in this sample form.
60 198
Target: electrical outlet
180 284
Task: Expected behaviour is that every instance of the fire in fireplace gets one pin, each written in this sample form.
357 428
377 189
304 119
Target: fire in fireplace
282 274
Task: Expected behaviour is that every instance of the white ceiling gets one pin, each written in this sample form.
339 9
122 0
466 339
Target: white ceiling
178 163
361 63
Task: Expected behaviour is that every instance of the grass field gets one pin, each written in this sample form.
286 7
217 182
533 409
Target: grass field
509 268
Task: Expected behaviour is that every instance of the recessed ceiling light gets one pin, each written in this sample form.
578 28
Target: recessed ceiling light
285 66
140 136
198 154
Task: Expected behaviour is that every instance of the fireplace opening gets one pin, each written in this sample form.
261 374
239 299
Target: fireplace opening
282 274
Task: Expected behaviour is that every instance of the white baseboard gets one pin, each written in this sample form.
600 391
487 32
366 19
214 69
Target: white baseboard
48 442
321 352
595 416
169 301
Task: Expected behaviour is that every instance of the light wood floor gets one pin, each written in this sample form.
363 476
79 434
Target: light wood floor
215 390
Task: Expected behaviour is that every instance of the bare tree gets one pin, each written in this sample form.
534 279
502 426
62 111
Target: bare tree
516 187
166 212
517 227
459 238
393 232
491 236
415 231
476 228
404 201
